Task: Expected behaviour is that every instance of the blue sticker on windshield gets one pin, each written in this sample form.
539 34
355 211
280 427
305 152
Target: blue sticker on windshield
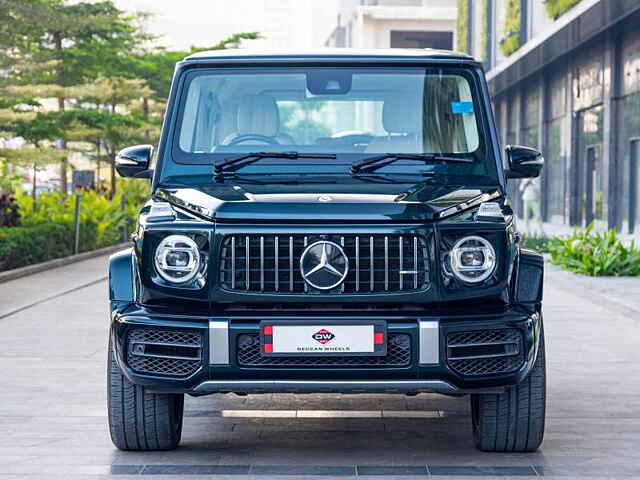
461 107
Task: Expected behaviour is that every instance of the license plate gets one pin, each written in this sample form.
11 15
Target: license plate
287 339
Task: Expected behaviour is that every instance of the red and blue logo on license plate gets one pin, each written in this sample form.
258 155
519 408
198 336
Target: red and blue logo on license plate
294 338
323 336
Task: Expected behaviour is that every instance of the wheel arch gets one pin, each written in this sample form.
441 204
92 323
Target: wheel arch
528 281
122 276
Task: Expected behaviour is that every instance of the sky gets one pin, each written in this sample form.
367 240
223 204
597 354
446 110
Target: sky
283 23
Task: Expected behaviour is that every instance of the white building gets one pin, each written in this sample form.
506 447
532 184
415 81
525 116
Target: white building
395 24
282 24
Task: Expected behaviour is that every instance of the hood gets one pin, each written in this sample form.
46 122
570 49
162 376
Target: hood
321 199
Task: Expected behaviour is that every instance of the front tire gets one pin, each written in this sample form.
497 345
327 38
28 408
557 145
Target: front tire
138 419
513 421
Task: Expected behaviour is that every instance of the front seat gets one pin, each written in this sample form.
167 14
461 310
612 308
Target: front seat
402 120
257 120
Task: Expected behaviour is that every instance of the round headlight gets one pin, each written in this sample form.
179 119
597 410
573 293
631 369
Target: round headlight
472 259
177 259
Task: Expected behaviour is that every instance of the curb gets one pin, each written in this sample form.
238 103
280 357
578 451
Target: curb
58 262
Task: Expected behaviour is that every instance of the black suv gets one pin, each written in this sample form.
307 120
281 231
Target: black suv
328 221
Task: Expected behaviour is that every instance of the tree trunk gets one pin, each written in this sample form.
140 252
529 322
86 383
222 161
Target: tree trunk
113 162
33 190
98 166
113 179
57 40
145 112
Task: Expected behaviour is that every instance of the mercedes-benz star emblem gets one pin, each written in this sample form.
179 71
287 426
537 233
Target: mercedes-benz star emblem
324 265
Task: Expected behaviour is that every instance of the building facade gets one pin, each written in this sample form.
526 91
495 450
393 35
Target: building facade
571 87
395 24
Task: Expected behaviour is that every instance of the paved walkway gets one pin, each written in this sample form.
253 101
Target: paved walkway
21 293
53 414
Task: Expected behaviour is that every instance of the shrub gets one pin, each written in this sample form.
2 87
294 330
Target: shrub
511 42
9 216
595 254
25 245
47 232
462 26
557 8
538 242
111 217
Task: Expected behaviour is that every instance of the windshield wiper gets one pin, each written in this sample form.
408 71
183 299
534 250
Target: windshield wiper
249 158
357 165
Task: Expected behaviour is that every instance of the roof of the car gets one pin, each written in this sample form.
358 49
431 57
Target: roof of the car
334 54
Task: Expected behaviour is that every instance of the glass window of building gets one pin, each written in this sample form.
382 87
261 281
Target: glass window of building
539 21
629 137
513 116
556 169
591 174
407 39
499 14
531 190
511 132
588 91
531 117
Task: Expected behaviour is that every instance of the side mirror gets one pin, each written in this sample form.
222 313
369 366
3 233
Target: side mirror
134 161
524 162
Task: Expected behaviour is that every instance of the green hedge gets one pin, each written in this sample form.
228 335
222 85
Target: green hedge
538 242
511 41
21 246
462 26
557 8
595 253
484 31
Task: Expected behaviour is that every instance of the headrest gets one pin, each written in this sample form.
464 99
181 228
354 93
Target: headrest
402 114
258 114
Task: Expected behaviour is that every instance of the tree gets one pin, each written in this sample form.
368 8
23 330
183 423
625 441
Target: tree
70 43
61 55
156 65
36 129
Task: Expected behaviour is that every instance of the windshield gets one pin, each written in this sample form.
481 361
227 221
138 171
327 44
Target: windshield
350 112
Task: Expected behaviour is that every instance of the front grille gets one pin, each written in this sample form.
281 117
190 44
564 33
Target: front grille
377 263
485 352
175 353
398 355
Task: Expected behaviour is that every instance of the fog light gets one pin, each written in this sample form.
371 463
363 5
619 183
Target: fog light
472 259
177 259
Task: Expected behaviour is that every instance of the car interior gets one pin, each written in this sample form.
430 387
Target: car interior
319 112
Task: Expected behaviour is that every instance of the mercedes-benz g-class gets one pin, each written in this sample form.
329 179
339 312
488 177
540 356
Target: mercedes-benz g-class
327 222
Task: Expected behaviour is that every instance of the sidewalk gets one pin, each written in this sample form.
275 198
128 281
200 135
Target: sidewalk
21 293
621 293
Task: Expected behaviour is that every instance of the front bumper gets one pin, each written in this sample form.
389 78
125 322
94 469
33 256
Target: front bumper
430 367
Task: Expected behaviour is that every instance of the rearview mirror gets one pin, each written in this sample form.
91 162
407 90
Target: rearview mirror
134 161
524 162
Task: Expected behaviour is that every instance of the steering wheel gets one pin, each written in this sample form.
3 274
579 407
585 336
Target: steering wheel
253 137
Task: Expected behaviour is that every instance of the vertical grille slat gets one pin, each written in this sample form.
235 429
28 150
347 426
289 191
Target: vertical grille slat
400 261
233 263
386 263
262 264
276 256
372 279
291 264
415 262
378 263
342 243
306 242
357 264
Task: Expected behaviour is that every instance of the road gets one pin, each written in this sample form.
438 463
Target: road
53 415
